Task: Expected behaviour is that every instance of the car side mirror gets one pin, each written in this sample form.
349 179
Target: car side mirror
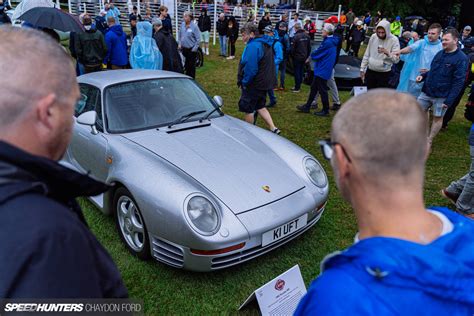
88 118
218 100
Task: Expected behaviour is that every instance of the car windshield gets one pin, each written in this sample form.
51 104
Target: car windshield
141 105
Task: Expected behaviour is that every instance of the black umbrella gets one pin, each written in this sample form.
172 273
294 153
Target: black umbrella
414 17
52 18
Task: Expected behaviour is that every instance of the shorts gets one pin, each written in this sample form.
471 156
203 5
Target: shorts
252 100
205 37
426 102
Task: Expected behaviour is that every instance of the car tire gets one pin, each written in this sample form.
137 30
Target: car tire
130 224
199 58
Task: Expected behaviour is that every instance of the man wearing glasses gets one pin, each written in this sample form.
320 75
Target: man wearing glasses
406 259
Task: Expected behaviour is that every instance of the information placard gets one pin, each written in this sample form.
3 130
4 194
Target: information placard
281 295
358 90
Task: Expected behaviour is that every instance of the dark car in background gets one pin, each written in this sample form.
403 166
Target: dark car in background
347 70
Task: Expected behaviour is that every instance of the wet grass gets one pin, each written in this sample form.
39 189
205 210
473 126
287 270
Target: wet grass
167 290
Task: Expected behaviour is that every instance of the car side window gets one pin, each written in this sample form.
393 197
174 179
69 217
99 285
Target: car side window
90 100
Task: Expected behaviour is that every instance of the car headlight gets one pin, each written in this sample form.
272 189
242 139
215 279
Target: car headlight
203 215
315 172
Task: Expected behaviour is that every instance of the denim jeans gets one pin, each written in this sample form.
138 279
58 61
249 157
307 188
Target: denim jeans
426 102
271 96
271 93
464 188
299 72
223 44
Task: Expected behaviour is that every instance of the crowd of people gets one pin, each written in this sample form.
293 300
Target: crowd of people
150 44
405 259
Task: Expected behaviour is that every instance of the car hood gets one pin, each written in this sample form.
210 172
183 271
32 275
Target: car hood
345 71
227 159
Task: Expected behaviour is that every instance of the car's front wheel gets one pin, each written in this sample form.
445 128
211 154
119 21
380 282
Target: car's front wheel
130 224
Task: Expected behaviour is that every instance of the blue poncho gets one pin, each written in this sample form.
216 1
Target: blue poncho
144 53
421 56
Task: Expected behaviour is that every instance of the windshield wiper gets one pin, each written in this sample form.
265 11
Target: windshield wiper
185 117
207 116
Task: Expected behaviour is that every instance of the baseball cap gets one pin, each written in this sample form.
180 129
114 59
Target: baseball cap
467 28
359 23
268 29
332 19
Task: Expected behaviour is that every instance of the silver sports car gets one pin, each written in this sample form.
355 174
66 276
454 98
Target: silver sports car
194 188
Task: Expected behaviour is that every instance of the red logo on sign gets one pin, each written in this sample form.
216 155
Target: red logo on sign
279 285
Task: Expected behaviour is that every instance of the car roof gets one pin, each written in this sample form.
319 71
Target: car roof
102 79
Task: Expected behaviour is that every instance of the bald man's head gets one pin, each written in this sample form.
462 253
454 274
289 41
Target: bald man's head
38 91
384 133
32 66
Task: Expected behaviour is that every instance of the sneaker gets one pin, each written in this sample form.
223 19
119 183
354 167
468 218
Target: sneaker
276 131
229 58
281 88
271 105
295 91
335 107
322 113
450 196
276 89
302 108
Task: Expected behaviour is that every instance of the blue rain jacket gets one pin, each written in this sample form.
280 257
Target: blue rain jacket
324 57
447 76
277 51
144 53
388 276
115 13
116 41
251 56
421 56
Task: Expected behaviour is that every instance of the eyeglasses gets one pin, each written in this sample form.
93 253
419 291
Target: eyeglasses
327 148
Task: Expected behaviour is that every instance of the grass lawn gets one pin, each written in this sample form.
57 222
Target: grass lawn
166 290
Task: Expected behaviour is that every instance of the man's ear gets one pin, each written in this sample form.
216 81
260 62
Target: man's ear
342 163
44 110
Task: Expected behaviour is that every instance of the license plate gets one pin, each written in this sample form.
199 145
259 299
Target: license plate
284 230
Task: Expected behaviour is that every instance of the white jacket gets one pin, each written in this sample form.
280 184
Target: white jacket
381 62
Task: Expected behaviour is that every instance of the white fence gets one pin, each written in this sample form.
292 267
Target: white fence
93 7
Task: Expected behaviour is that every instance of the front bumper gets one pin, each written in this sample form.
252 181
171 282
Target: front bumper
181 257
